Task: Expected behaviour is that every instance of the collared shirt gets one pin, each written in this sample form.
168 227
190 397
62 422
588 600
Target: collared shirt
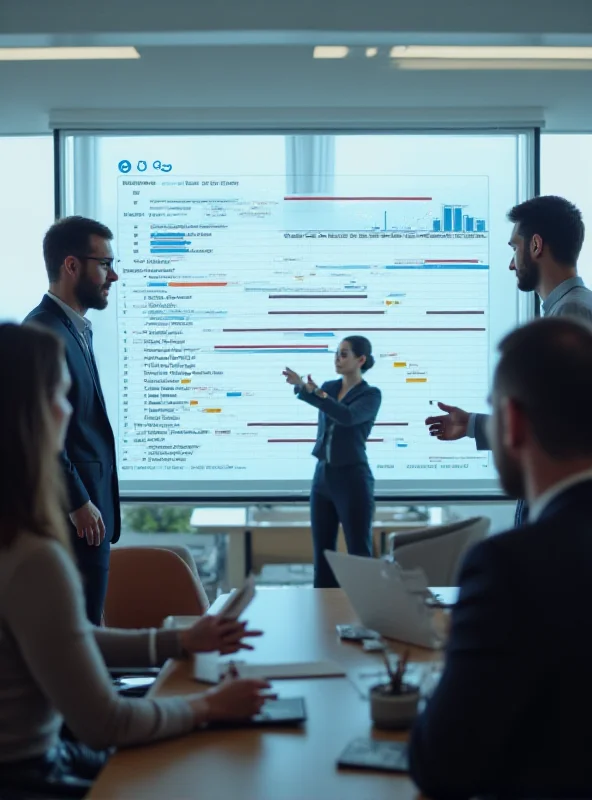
82 324
543 500
570 298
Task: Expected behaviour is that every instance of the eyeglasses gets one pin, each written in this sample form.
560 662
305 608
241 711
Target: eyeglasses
108 263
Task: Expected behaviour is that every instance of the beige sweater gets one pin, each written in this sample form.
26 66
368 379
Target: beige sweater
53 662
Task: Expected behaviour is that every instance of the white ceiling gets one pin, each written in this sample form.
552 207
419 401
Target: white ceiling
255 75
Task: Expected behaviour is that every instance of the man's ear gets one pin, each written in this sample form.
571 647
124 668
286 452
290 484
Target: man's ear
536 246
70 266
515 425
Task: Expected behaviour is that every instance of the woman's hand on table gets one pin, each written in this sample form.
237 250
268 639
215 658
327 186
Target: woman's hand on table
235 698
213 632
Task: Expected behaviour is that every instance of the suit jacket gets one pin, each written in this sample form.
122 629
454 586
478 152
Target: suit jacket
510 716
353 418
88 458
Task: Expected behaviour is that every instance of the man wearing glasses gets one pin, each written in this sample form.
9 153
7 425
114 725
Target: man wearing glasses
80 266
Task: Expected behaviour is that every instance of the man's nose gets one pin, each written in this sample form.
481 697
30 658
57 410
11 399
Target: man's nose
512 266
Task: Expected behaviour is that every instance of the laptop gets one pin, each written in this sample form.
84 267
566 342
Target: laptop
387 599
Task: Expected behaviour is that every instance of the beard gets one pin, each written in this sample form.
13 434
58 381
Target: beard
89 295
510 474
528 275
509 470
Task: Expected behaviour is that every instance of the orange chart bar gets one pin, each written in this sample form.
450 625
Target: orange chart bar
416 380
185 380
400 364
213 410
194 402
195 283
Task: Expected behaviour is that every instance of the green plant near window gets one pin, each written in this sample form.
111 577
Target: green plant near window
157 519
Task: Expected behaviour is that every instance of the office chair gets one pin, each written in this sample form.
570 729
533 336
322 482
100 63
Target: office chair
148 584
438 550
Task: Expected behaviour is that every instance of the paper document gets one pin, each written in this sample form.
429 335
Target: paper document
210 668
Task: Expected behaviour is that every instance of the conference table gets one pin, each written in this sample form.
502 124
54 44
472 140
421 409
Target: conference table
273 763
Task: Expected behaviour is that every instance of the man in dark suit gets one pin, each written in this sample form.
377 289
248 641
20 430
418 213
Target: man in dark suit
546 241
80 266
510 716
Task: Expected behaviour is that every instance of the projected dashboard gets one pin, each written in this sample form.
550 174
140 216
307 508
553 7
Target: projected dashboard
227 278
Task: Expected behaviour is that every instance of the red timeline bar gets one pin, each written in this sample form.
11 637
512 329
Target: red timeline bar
372 199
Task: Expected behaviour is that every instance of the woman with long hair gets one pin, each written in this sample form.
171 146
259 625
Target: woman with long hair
343 484
52 661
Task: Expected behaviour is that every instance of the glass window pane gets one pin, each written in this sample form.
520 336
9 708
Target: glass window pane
566 170
244 254
27 211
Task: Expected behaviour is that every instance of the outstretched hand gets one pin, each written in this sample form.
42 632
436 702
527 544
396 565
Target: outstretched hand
213 632
293 378
310 385
450 426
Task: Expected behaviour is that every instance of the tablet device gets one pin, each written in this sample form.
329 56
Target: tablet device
239 600
369 754
283 711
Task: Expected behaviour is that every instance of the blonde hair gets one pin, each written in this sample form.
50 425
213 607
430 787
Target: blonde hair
33 495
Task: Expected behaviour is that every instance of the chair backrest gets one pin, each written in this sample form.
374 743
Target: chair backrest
439 550
148 584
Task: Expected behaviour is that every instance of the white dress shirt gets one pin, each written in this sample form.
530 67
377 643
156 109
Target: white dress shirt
82 324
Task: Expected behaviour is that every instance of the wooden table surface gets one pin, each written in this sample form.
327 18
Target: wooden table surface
269 763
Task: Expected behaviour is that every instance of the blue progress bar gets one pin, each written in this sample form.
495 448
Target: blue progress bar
320 335
167 235
157 283
276 351
233 394
166 242
343 266
157 250
170 317
399 444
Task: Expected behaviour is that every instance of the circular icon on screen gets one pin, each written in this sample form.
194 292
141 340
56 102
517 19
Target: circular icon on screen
142 166
124 166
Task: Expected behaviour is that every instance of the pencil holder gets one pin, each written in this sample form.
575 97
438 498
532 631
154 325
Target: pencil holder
393 710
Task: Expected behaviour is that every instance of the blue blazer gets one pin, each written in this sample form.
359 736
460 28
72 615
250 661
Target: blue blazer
88 458
353 416
506 718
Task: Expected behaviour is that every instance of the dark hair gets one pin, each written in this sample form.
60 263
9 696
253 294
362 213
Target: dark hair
70 237
32 483
361 347
546 367
557 221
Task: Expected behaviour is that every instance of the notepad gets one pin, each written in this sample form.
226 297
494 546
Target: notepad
211 669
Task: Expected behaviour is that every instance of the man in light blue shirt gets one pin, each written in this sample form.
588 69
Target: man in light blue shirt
547 238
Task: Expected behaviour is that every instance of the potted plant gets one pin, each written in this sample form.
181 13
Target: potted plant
394 704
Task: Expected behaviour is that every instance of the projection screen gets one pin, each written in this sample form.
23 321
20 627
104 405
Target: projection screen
241 254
